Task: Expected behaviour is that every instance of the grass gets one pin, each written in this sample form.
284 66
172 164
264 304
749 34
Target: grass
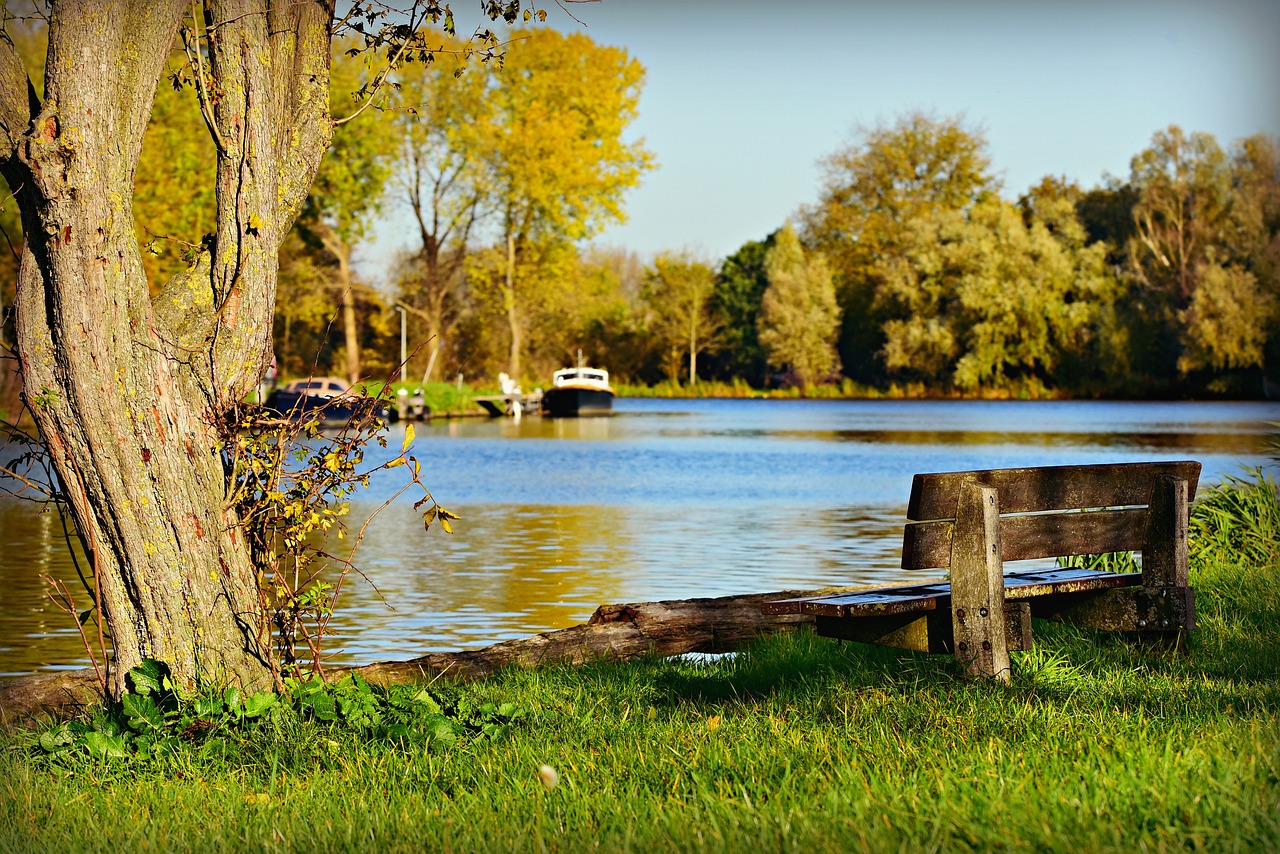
798 743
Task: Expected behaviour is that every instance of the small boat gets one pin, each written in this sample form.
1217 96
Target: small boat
578 391
330 398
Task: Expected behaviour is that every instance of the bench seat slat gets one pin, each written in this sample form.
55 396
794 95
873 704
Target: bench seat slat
927 545
917 598
1031 490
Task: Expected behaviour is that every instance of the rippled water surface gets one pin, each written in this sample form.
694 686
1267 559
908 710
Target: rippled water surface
665 499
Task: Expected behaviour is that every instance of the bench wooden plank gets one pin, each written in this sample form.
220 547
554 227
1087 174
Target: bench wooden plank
927 545
1030 490
916 598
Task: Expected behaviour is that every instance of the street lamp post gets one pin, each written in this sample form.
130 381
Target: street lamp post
403 357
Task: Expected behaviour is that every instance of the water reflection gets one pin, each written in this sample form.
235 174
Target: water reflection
34 633
663 500
1217 443
513 571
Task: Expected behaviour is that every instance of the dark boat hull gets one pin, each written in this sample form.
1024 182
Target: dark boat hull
571 402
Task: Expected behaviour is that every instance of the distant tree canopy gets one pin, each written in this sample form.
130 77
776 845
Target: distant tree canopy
1162 282
1165 283
798 316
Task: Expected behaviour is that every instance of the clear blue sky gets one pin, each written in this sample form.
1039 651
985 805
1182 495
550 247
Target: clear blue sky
744 98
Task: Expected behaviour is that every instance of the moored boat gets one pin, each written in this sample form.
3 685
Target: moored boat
578 391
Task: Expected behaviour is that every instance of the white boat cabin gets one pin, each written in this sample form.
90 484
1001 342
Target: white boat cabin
581 378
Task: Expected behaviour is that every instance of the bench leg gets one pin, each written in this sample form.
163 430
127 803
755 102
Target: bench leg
977 585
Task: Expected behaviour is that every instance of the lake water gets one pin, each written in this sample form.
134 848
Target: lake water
666 499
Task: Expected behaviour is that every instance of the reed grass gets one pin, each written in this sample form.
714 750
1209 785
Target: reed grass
798 743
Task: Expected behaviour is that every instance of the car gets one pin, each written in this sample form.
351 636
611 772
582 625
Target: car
329 397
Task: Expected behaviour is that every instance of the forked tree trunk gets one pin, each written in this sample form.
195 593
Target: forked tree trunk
127 391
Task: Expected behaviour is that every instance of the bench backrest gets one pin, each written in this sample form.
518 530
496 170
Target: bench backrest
1040 509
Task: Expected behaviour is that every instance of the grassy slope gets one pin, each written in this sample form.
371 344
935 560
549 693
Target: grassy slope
800 743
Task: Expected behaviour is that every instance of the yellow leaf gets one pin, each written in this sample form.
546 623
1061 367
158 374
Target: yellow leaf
444 523
408 438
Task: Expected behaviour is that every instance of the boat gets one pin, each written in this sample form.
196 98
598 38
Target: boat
328 398
578 391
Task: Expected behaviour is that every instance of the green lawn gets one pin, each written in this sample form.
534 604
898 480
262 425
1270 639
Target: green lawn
798 743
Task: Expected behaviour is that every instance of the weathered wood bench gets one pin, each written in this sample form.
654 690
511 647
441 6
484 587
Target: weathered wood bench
972 522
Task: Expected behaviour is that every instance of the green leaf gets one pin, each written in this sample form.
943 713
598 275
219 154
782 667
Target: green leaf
257 704
103 746
429 704
442 731
321 706
145 678
143 713
208 707
233 699
57 739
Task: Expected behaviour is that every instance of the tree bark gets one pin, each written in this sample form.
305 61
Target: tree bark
128 392
614 632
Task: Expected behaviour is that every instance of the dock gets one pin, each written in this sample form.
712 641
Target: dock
513 404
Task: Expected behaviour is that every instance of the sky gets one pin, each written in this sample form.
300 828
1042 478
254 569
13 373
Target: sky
744 99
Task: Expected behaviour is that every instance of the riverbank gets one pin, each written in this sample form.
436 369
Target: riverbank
799 743
453 400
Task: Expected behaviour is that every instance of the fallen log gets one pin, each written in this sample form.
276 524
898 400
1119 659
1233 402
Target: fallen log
614 632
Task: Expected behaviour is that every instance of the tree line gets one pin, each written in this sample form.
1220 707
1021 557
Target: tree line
911 273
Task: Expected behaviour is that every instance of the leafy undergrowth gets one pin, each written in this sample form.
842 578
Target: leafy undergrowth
798 743
152 724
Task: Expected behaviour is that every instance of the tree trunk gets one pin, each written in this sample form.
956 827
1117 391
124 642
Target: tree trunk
693 351
128 393
341 253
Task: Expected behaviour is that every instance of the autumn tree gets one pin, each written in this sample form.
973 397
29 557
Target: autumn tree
348 190
799 317
128 391
1201 253
678 290
556 159
441 109
174 196
879 194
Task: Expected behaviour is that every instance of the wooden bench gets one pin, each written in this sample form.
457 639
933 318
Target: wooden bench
972 522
